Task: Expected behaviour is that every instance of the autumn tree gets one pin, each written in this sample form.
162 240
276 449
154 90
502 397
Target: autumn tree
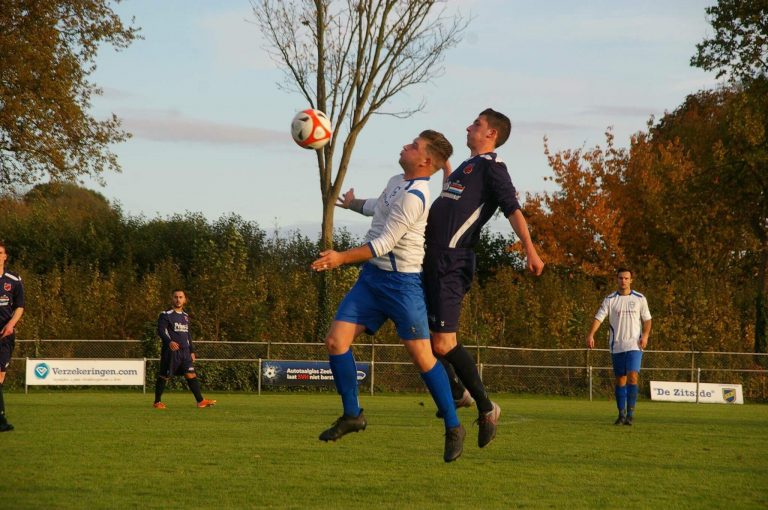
579 226
739 49
349 59
47 53
739 45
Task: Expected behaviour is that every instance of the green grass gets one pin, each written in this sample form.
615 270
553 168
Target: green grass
113 450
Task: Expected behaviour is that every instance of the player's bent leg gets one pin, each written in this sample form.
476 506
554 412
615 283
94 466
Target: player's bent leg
4 425
434 376
344 369
632 391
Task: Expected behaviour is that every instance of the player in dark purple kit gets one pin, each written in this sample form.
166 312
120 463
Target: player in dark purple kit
178 353
11 309
471 195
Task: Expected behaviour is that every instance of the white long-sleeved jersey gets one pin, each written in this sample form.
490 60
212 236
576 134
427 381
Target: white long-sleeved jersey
626 315
396 236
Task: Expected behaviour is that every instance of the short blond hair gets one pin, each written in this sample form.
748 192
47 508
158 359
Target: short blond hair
438 146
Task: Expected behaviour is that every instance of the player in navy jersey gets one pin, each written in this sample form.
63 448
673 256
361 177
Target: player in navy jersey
178 353
390 287
11 310
471 195
629 328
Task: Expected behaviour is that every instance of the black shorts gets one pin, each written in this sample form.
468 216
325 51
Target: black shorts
6 351
448 274
176 363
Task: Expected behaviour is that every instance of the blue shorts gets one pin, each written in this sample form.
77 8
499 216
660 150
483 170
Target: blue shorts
6 351
379 295
448 274
625 362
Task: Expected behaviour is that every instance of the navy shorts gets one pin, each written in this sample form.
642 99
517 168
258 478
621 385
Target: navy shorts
176 363
625 362
6 351
379 295
448 277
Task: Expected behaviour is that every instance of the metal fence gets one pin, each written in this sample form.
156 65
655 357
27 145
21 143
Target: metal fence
573 372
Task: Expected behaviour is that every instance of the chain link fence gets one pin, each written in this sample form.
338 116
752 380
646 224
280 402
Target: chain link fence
235 366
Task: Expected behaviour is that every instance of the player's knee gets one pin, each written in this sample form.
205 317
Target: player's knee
442 346
334 344
190 376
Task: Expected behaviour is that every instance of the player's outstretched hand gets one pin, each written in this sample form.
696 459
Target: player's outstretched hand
329 259
346 199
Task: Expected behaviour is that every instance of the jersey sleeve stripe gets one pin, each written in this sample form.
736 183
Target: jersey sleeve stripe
420 195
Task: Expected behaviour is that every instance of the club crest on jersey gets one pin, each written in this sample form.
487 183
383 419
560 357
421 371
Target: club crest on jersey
452 190
7 287
468 169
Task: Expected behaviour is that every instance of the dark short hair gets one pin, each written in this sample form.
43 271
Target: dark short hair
624 270
499 122
174 291
438 146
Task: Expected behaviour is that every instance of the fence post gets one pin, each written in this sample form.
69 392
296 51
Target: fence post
698 381
589 371
145 377
693 363
259 383
373 365
26 386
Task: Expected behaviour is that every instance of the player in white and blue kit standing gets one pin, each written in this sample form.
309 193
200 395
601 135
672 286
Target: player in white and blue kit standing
628 330
390 287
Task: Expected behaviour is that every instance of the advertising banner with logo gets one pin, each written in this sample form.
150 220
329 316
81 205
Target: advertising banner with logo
708 393
85 372
304 373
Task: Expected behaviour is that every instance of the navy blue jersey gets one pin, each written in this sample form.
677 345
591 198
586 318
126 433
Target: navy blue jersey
469 199
11 296
174 326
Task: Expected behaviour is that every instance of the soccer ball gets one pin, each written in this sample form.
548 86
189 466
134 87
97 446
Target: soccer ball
311 129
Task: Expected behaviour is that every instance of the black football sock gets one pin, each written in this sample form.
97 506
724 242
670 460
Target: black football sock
3 421
194 385
457 389
467 371
159 388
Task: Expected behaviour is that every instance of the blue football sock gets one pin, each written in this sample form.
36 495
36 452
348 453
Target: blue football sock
621 399
437 382
345 376
631 398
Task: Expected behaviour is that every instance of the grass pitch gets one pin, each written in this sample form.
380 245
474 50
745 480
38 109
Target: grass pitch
113 450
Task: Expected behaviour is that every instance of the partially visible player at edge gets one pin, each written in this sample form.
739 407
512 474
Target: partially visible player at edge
471 195
629 328
178 353
11 310
390 287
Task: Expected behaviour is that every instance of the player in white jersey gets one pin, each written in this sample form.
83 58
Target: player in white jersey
629 327
390 287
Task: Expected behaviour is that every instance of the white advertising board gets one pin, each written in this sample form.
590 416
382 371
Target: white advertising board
85 372
708 393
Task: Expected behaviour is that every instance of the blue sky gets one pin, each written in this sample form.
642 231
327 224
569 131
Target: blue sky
211 127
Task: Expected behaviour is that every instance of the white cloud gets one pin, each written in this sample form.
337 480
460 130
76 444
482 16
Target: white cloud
172 126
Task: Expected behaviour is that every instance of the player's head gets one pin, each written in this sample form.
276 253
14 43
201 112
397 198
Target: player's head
624 278
179 298
426 153
438 148
489 130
